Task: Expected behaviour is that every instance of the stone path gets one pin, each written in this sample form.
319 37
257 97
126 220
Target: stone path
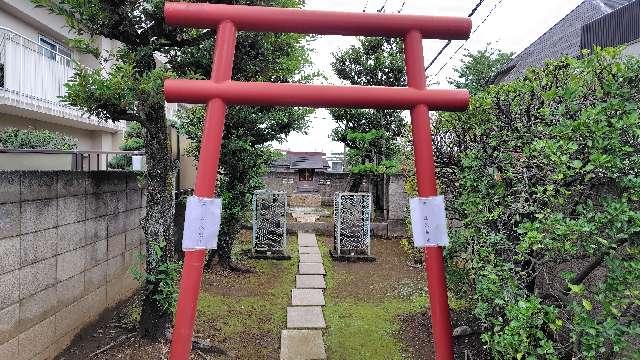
303 338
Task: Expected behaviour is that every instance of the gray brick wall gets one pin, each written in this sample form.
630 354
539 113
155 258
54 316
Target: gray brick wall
327 183
67 240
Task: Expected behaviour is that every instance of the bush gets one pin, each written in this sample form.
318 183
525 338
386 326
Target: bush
120 162
12 138
542 173
132 141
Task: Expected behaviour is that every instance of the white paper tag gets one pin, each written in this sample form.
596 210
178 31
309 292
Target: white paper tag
429 221
201 223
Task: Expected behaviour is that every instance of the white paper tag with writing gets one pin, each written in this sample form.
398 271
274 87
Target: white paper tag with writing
429 221
201 223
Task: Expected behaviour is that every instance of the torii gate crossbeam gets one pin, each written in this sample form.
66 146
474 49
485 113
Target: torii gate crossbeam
221 91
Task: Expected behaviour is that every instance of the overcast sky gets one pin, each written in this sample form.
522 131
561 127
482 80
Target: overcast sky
510 25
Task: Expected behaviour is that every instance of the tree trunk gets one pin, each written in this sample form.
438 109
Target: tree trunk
158 222
228 235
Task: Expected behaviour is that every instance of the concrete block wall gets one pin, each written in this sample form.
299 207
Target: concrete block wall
67 241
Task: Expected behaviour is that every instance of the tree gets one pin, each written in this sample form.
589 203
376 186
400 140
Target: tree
245 154
542 174
478 69
371 135
131 90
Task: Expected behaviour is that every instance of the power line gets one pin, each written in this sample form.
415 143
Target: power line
383 6
473 32
366 5
446 45
402 7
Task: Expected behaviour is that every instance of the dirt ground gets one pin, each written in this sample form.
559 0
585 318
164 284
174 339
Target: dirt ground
389 275
377 305
236 312
416 331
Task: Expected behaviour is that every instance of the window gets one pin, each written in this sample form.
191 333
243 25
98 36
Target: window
53 49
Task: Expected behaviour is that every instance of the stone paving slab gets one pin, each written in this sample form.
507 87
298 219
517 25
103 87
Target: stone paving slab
305 317
309 250
307 297
307 239
311 269
302 345
310 258
310 282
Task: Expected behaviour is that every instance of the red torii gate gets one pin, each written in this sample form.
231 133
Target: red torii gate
221 91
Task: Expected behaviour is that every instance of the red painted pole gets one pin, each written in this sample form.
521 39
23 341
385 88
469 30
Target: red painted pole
426 179
205 187
278 94
283 20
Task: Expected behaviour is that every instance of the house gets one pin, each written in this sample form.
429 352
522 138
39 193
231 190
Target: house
303 167
592 23
621 26
35 64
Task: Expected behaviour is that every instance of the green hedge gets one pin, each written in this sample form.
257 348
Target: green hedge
12 138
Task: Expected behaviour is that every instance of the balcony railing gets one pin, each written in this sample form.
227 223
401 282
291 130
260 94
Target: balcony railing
78 160
33 76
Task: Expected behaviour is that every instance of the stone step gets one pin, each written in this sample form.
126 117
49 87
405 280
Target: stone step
310 258
309 250
310 282
311 269
307 239
302 345
307 297
305 317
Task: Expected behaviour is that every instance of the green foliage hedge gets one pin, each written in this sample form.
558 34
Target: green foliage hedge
12 138
543 174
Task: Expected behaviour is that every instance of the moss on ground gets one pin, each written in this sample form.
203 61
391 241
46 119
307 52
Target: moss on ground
366 328
247 324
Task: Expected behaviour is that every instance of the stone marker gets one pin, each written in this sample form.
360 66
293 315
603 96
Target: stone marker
310 258
305 317
310 282
309 250
307 297
311 269
301 345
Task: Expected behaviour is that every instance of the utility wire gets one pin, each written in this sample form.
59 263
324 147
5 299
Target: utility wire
381 10
473 32
446 45
402 7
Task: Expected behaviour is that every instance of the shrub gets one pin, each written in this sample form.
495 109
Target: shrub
120 162
12 138
542 173
133 141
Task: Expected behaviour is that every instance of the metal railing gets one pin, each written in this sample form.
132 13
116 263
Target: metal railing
34 76
78 160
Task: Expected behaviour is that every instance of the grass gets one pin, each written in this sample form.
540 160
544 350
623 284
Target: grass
366 328
248 324
362 330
